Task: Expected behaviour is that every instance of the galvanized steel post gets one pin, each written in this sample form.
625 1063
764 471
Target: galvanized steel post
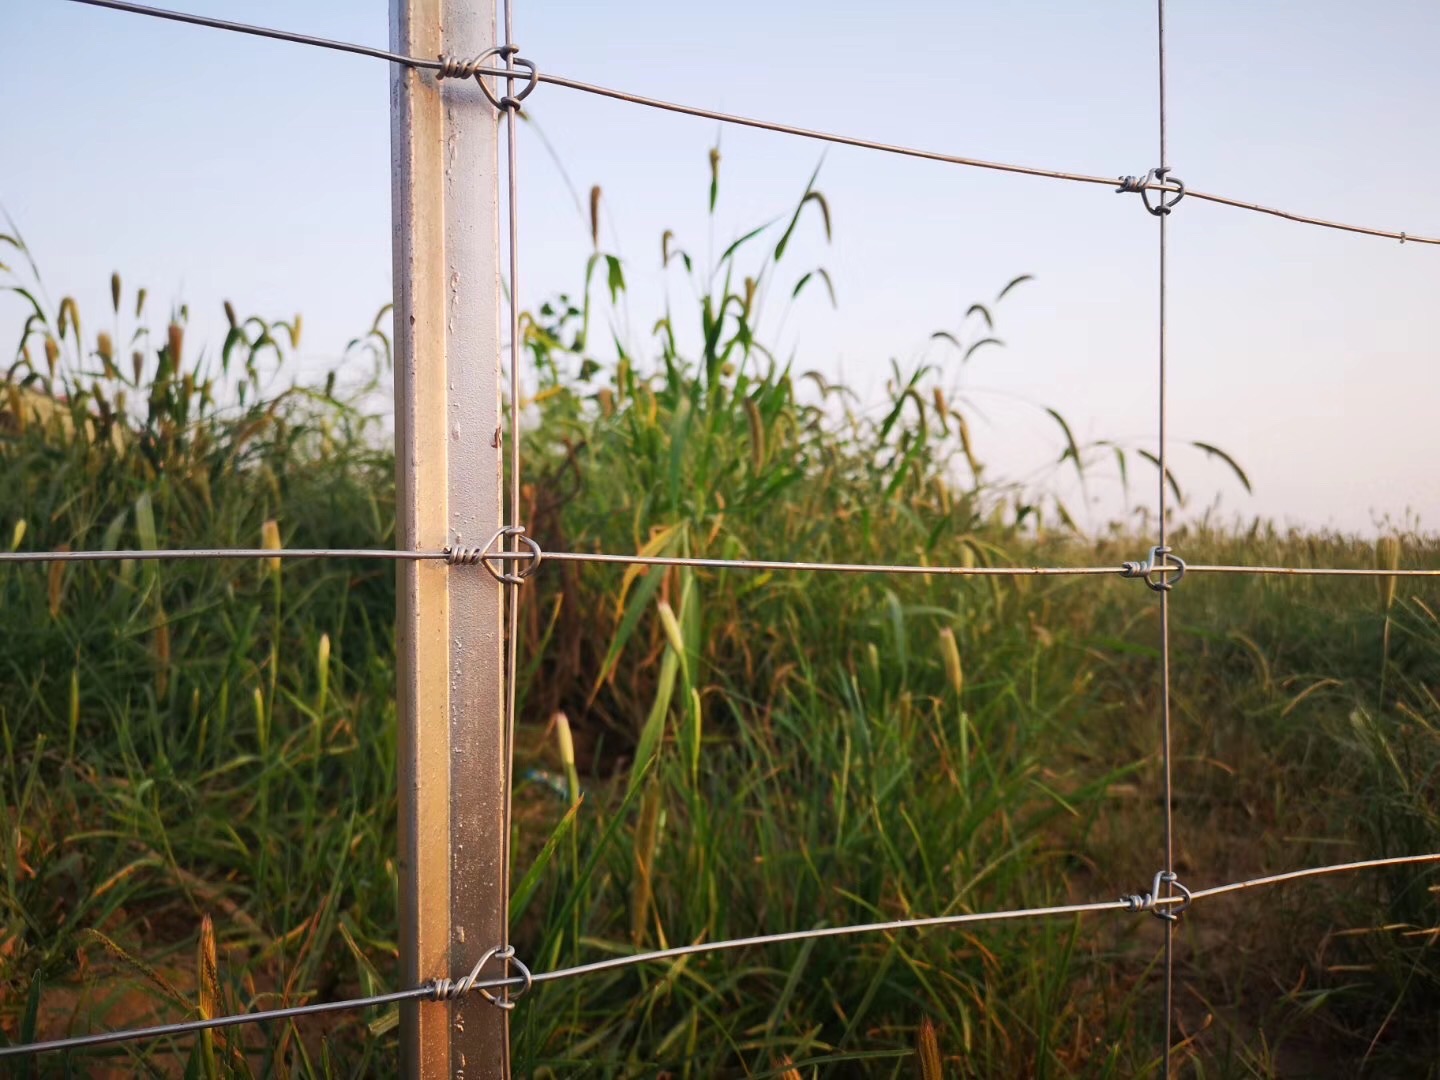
448 335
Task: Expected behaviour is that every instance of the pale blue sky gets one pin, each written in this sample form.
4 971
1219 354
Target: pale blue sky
211 166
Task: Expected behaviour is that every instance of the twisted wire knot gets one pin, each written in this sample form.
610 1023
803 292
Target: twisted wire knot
454 67
1156 179
1161 562
464 555
1149 901
454 989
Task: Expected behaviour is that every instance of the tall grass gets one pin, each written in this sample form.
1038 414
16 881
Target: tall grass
197 780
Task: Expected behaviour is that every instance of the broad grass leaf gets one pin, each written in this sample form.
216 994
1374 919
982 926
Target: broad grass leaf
525 891
632 608
1214 451
811 195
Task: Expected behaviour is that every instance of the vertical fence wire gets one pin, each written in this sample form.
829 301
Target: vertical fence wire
512 588
1162 532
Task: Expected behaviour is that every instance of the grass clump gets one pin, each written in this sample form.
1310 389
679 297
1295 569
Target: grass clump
198 782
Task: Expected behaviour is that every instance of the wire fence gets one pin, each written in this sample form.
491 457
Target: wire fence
532 76
512 556
446 989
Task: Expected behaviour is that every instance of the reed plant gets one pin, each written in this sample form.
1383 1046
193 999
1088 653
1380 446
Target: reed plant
197 760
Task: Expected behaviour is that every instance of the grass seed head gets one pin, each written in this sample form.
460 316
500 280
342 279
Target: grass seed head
954 673
175 342
757 434
270 541
1387 557
564 739
927 1051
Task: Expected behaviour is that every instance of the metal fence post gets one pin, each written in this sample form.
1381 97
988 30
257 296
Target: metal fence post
448 333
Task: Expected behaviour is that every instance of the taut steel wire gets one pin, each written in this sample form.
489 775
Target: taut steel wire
440 64
471 556
192 554
437 989
1167 875
511 107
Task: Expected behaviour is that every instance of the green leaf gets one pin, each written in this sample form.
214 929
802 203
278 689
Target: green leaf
1012 283
636 606
112 531
371 980
145 522
579 888
747 237
984 314
525 891
615 277
1072 448
982 341
811 195
30 1021
1169 475
714 176
1065 517
824 276
39 311
896 614
1215 451
679 440
654 730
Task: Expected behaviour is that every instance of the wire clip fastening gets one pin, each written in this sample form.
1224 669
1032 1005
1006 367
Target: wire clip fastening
1155 179
452 67
1160 562
1148 901
454 989
460 555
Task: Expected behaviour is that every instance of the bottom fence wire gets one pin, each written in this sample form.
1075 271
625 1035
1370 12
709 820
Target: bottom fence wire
442 989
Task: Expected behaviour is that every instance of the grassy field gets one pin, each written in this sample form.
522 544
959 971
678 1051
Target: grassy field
197 773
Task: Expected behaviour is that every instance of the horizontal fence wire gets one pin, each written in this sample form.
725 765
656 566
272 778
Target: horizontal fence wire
1128 184
195 554
436 989
604 558
1311 571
